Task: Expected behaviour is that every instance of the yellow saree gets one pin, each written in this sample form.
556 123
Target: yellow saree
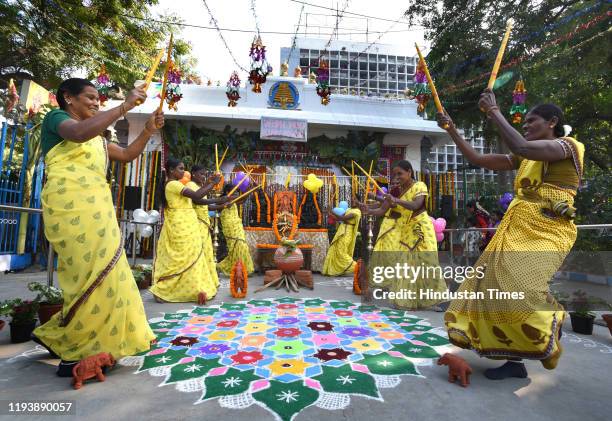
235 237
180 270
339 259
103 311
418 239
532 240
205 227
387 247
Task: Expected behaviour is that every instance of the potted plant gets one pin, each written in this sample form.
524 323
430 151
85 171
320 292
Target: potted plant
143 275
608 318
582 317
23 318
50 300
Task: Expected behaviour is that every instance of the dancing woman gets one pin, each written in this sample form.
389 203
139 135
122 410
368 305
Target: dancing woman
202 206
102 311
339 259
535 235
233 231
180 270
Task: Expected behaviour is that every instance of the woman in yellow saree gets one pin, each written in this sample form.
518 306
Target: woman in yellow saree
531 242
233 231
416 243
180 270
339 259
102 311
418 239
202 206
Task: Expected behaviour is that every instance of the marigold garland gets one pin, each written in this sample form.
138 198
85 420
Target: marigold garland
356 287
319 214
258 207
243 291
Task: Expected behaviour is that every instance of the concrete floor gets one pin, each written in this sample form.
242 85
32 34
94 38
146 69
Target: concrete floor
580 388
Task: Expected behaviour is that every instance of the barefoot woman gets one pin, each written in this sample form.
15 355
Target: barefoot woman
102 311
531 242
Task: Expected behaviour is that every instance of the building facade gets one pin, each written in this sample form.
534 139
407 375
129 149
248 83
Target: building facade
355 67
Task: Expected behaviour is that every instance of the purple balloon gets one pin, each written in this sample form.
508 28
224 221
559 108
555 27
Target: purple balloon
244 185
384 189
239 177
505 200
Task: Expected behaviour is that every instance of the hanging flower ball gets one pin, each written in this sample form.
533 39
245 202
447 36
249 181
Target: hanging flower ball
103 84
233 89
421 91
173 92
259 66
519 96
323 82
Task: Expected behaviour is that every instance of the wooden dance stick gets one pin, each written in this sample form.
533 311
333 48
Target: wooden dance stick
353 178
151 73
216 158
370 178
244 194
165 81
432 87
223 157
500 54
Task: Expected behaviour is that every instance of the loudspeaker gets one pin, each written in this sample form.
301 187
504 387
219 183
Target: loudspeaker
132 198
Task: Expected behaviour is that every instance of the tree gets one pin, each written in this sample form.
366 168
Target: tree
557 46
47 40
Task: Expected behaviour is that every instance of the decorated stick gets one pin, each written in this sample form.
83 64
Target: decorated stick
432 87
244 194
238 185
223 156
165 80
288 180
335 180
368 182
353 178
500 54
370 178
216 158
151 72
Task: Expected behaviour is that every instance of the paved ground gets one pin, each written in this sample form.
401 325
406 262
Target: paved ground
580 388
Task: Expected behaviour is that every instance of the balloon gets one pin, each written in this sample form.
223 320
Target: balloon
343 204
379 194
505 200
313 184
140 215
244 185
146 231
339 211
239 176
155 214
439 224
212 214
186 178
151 219
432 219
131 227
439 236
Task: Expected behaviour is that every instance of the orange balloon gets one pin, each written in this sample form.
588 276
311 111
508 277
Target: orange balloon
186 178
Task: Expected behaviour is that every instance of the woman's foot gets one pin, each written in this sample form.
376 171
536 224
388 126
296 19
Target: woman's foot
202 298
509 369
64 369
39 342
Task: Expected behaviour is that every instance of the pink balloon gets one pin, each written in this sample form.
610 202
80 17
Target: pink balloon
439 236
440 224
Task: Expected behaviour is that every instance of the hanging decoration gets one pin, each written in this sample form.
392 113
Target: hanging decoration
233 89
173 88
518 109
259 66
323 81
421 87
103 84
